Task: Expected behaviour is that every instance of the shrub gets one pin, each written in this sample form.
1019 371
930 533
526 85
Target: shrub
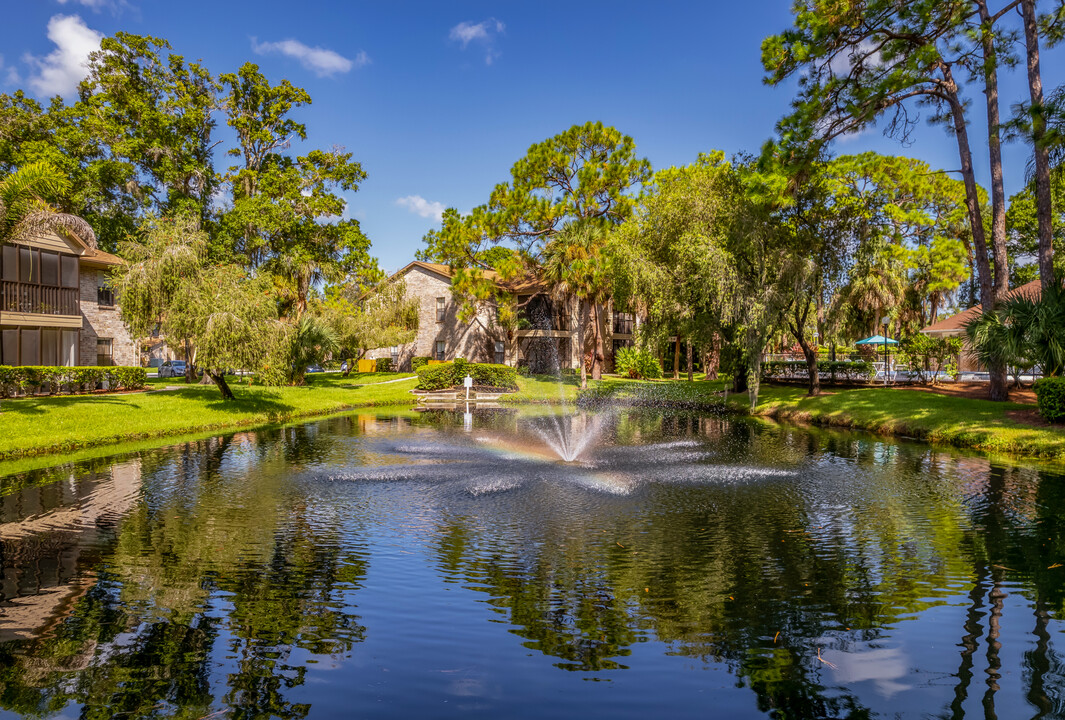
450 375
57 380
1050 396
418 362
637 363
927 356
384 364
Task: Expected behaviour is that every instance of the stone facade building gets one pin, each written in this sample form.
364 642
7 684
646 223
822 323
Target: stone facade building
545 341
55 306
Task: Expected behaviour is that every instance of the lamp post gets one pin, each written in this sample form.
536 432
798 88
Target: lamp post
884 321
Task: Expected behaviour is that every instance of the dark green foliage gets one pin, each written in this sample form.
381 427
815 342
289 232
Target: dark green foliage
637 363
451 374
384 365
928 356
50 380
1050 396
416 363
843 369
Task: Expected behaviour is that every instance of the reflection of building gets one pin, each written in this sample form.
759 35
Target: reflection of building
55 305
545 339
45 532
954 326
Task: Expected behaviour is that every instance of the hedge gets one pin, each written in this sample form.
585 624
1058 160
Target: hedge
418 361
32 379
1050 397
847 370
452 374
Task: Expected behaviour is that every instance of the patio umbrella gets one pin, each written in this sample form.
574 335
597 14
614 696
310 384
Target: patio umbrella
880 340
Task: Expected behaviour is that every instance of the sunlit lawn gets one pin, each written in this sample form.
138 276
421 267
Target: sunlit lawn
937 418
51 424
30 426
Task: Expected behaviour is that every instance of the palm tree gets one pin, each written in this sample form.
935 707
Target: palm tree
1022 331
877 282
573 264
24 208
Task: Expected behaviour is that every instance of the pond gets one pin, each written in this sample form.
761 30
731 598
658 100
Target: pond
397 564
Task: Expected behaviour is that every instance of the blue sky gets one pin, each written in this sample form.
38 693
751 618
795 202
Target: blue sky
438 99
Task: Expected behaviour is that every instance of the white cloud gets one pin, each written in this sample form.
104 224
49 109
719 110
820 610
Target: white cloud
420 206
484 34
320 61
60 71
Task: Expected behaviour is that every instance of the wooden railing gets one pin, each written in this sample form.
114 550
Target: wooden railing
38 299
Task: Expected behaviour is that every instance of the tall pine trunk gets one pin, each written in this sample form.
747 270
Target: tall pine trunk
1043 209
988 299
691 370
582 321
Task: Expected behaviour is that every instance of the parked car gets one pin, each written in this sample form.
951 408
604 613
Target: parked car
172 368
315 368
344 366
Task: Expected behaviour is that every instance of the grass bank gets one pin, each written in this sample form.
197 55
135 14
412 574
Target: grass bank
940 419
39 425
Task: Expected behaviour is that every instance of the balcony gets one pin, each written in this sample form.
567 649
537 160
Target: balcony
38 299
623 323
544 315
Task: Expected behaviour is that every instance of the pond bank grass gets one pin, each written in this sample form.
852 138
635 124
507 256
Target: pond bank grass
43 425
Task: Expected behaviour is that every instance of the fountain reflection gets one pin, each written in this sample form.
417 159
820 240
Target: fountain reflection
396 559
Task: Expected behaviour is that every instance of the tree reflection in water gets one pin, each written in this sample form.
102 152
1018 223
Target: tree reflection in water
212 576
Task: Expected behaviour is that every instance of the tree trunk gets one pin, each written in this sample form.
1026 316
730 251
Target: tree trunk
994 147
582 321
988 298
713 358
691 363
597 337
188 361
797 330
676 357
1043 209
220 380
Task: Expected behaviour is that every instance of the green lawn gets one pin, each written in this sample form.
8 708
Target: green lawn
34 426
31 426
964 422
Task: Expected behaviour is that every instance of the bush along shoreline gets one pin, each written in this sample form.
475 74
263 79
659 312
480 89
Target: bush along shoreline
47 380
448 375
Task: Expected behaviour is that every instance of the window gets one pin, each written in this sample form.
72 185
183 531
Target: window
105 296
500 353
50 269
394 351
68 350
69 271
9 348
439 355
10 263
440 309
29 353
103 351
29 267
623 322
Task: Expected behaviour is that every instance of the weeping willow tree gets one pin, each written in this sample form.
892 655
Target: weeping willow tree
383 317
225 317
